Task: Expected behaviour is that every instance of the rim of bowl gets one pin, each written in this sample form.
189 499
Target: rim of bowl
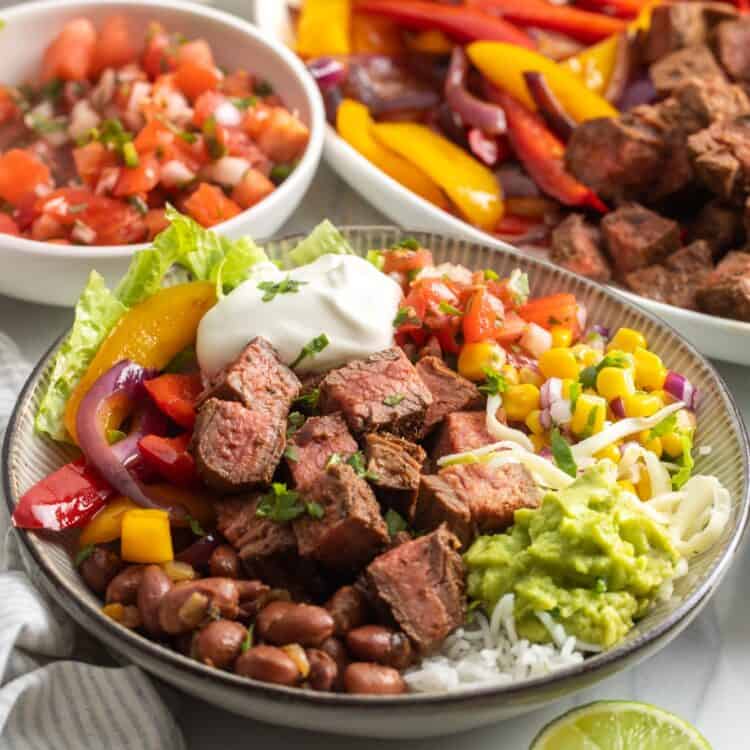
598 663
310 157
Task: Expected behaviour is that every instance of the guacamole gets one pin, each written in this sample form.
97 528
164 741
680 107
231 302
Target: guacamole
591 560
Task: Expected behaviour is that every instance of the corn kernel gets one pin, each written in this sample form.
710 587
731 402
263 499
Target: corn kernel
612 452
589 414
565 387
562 336
510 374
642 404
533 422
627 485
530 376
539 442
520 400
587 356
476 357
115 611
559 363
652 444
627 340
671 444
649 370
615 382
643 486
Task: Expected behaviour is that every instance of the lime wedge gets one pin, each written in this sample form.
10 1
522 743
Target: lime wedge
620 725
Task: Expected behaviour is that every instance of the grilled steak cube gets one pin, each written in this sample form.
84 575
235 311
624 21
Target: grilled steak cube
313 444
450 391
236 448
726 292
381 393
692 62
351 531
719 225
576 246
637 237
438 503
462 431
733 48
394 466
258 379
693 259
697 102
421 585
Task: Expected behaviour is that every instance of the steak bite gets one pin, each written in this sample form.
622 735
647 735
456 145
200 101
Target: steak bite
692 62
313 444
236 448
462 431
576 246
733 48
719 225
450 391
697 102
351 531
637 237
421 585
438 503
382 393
394 466
726 292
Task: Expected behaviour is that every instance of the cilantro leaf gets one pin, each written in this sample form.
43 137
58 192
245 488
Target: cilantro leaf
272 288
562 454
495 384
394 399
280 504
83 554
311 348
395 522
448 309
315 510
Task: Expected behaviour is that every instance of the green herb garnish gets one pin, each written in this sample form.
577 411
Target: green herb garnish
587 377
490 275
309 399
280 504
574 392
195 526
291 453
313 347
83 554
315 510
279 172
600 586
562 454
215 149
286 286
448 309
405 315
408 243
295 420
394 399
395 522
687 463
247 644
588 429
138 204
245 102
495 384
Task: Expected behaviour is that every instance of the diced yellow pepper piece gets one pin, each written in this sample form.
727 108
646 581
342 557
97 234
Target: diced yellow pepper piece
559 363
105 526
642 404
146 536
476 357
650 372
615 382
562 336
627 340
588 417
520 400
323 28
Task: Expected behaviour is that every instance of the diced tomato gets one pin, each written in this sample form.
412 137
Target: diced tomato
194 79
8 107
158 57
66 498
169 457
8 226
511 330
209 206
284 136
90 160
115 46
154 135
115 223
256 120
197 52
21 174
446 337
71 54
238 84
205 106
252 188
554 310
46 228
480 317
59 202
156 222
175 394
140 179
402 259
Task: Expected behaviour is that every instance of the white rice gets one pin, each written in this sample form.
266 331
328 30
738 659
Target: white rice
489 651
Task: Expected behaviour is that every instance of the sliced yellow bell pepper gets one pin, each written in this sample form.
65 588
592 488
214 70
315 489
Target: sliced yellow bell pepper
430 42
472 187
373 35
146 536
354 125
151 334
505 64
106 525
323 28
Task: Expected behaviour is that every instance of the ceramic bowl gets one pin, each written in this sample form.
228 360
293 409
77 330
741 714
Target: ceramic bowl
54 274
28 458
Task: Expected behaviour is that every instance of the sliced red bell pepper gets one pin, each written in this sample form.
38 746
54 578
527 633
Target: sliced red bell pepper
542 154
462 23
175 395
67 498
619 8
169 457
580 24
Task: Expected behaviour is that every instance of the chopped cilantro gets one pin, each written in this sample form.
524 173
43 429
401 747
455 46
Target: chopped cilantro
311 348
405 315
562 454
394 399
309 399
587 377
83 554
495 383
247 644
279 172
215 148
449 309
490 275
286 286
291 453
280 504
294 422
333 459
315 510
408 243
245 102
395 522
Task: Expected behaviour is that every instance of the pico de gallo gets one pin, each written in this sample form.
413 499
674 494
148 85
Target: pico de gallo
114 127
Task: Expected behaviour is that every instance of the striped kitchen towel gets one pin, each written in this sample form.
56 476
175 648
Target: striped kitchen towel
48 698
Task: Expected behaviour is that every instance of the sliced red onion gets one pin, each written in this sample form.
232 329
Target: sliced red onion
483 146
327 71
602 331
473 111
640 91
682 389
550 392
545 419
124 380
451 125
618 407
550 108
561 412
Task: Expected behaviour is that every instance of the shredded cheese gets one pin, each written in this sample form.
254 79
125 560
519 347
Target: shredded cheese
501 431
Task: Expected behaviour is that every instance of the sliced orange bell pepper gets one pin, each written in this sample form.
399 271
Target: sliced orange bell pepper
151 334
106 525
146 536
323 28
372 35
472 187
504 65
354 125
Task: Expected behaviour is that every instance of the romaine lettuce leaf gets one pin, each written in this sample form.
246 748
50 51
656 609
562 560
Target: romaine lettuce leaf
96 313
324 239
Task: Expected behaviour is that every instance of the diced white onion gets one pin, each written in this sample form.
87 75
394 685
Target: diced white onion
177 108
83 118
228 115
140 91
107 180
536 340
228 170
102 93
550 392
560 412
83 233
174 173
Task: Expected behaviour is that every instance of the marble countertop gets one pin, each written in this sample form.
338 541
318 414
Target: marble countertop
703 675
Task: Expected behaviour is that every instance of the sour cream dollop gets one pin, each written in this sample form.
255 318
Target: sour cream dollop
343 296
